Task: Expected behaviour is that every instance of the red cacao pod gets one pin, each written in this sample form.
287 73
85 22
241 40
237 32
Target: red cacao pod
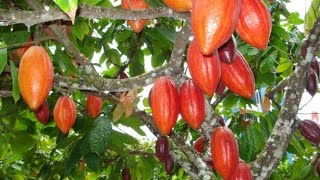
255 23
213 22
227 52
220 89
200 144
224 151
310 130
162 148
94 105
243 172
64 113
169 164
312 82
136 25
315 66
179 5
126 174
192 105
164 99
205 70
238 77
42 113
35 76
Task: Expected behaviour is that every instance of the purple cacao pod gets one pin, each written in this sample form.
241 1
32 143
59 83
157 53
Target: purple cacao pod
310 130
162 148
312 82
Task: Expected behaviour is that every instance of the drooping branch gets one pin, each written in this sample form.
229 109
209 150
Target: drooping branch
9 17
287 120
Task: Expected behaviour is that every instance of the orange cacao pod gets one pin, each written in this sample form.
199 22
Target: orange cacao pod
64 113
213 22
164 100
224 151
243 172
192 106
200 144
42 113
255 23
179 5
310 130
35 76
94 105
204 69
238 77
136 25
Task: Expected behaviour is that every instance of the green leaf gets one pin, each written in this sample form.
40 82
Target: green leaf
93 161
135 123
113 56
280 32
284 66
17 37
80 29
268 62
69 7
21 142
15 85
295 19
121 138
124 35
312 14
230 101
90 2
99 137
3 56
136 66
112 72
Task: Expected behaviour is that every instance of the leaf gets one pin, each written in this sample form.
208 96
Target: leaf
21 142
93 161
15 85
129 102
90 2
16 37
284 66
268 62
120 138
3 57
100 136
133 122
136 66
80 29
266 104
117 113
312 14
69 7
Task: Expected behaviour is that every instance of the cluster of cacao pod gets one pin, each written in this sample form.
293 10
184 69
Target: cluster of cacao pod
313 77
162 153
225 155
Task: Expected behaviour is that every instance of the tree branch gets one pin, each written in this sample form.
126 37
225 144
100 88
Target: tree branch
287 121
9 17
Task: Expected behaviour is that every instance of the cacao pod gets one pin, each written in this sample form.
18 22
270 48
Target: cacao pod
220 89
200 144
35 76
162 148
315 66
169 164
94 105
64 113
238 77
255 23
227 52
312 82
192 105
136 25
164 99
126 174
205 70
213 22
179 5
42 113
318 167
310 130
224 151
243 172
221 121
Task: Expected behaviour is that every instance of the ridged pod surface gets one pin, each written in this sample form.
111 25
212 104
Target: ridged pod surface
162 148
312 82
42 113
192 105
255 23
315 66
94 105
179 5
205 70
238 77
64 113
227 52
136 25
224 151
126 174
213 22
310 130
169 164
243 172
220 89
35 76
164 98
200 144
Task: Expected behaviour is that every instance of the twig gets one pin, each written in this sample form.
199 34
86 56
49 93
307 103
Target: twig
220 98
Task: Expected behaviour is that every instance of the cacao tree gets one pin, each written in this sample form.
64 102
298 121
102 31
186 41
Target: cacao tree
76 100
